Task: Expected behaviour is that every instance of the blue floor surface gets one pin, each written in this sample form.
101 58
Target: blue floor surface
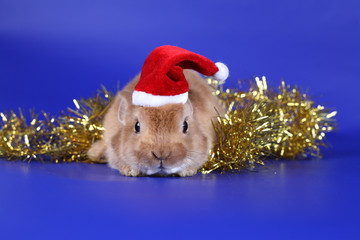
302 199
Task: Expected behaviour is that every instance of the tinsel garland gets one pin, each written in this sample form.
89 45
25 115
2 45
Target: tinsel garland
266 123
260 123
65 138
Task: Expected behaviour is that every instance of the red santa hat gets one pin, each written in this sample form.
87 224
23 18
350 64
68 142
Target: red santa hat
162 80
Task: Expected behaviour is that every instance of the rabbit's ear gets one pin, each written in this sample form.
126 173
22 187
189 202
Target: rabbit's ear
188 109
123 109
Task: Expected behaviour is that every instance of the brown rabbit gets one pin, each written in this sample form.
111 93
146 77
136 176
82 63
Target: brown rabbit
166 140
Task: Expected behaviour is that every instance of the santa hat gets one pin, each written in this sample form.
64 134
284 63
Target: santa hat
162 80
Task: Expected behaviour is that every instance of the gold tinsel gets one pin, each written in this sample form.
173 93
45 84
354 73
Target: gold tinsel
266 123
260 123
58 139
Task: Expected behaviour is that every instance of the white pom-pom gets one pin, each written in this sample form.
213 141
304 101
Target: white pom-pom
223 72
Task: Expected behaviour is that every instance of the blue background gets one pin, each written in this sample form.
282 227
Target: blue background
54 51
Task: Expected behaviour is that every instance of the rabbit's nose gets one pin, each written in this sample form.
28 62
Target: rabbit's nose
160 155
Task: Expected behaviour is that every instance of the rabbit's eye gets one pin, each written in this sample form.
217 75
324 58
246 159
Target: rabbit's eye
185 127
137 127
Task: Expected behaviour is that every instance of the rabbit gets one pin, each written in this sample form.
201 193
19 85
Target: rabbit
173 139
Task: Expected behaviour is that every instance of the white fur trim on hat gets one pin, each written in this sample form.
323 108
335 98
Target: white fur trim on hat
149 100
223 72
